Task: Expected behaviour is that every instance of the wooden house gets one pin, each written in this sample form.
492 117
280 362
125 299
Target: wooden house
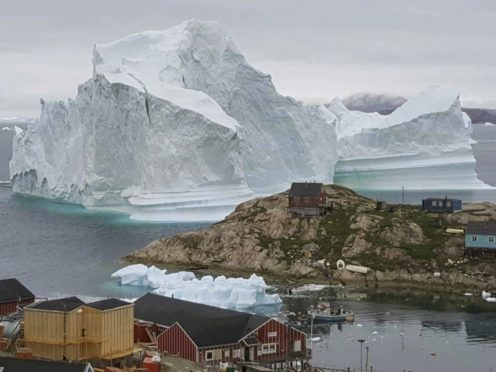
69 329
209 335
441 205
307 199
34 365
13 294
480 236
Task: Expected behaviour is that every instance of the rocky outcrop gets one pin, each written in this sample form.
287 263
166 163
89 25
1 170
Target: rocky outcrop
401 244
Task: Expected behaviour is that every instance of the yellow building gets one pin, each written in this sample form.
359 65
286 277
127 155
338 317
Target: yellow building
69 329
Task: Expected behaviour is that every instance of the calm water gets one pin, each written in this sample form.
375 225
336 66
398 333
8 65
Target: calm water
59 249
417 333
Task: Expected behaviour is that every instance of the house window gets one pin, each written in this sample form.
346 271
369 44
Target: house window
434 203
474 238
307 200
272 334
227 353
297 346
448 204
209 355
491 239
269 348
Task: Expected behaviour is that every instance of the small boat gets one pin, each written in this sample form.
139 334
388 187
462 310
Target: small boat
325 314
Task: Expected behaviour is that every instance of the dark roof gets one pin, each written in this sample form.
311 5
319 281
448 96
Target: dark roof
30 365
60 304
440 199
12 289
481 227
107 304
305 189
206 325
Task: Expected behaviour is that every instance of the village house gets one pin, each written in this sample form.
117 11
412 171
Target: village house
13 294
441 205
34 365
307 198
69 329
209 335
480 236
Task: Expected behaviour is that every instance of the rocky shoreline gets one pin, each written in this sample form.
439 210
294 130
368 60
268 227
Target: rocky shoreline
402 246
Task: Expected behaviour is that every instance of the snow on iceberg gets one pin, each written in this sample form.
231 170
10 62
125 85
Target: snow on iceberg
232 293
173 124
424 144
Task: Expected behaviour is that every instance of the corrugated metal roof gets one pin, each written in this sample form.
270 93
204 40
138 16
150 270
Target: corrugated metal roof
481 227
305 189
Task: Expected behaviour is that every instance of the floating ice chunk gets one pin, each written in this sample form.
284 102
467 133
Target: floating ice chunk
486 294
233 293
310 288
489 124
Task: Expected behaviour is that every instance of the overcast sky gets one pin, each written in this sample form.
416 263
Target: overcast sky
314 50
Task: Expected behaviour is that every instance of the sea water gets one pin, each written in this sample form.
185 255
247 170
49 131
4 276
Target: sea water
61 249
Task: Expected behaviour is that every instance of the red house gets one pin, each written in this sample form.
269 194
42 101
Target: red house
12 295
307 198
209 335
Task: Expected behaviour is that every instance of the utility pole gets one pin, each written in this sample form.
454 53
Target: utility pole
361 340
366 358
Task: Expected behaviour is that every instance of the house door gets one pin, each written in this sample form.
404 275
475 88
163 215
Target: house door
247 353
252 353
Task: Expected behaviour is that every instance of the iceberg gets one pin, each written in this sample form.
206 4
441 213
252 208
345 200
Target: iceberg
232 293
423 144
173 125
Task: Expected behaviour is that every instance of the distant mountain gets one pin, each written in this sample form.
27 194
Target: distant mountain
372 102
386 103
479 115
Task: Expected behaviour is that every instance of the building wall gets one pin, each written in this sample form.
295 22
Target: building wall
44 333
106 333
274 332
141 335
175 341
305 202
11 307
441 205
117 332
482 242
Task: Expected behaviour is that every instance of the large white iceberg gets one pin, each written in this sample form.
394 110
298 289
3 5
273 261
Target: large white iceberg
173 123
424 144
232 293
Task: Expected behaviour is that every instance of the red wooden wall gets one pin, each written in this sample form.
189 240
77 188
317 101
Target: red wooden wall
11 307
175 341
281 334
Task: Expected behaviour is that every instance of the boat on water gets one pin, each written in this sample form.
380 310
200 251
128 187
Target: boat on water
323 313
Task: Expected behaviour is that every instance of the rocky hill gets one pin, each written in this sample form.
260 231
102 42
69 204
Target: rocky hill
399 243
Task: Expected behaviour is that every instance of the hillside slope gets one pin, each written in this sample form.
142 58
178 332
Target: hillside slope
399 243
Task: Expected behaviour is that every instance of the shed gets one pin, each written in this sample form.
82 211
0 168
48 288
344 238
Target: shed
443 205
307 198
69 329
209 335
13 294
30 365
480 235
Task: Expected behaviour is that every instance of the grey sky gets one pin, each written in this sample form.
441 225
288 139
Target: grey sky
314 49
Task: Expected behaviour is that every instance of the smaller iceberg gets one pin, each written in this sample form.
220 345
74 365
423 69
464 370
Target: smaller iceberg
230 293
